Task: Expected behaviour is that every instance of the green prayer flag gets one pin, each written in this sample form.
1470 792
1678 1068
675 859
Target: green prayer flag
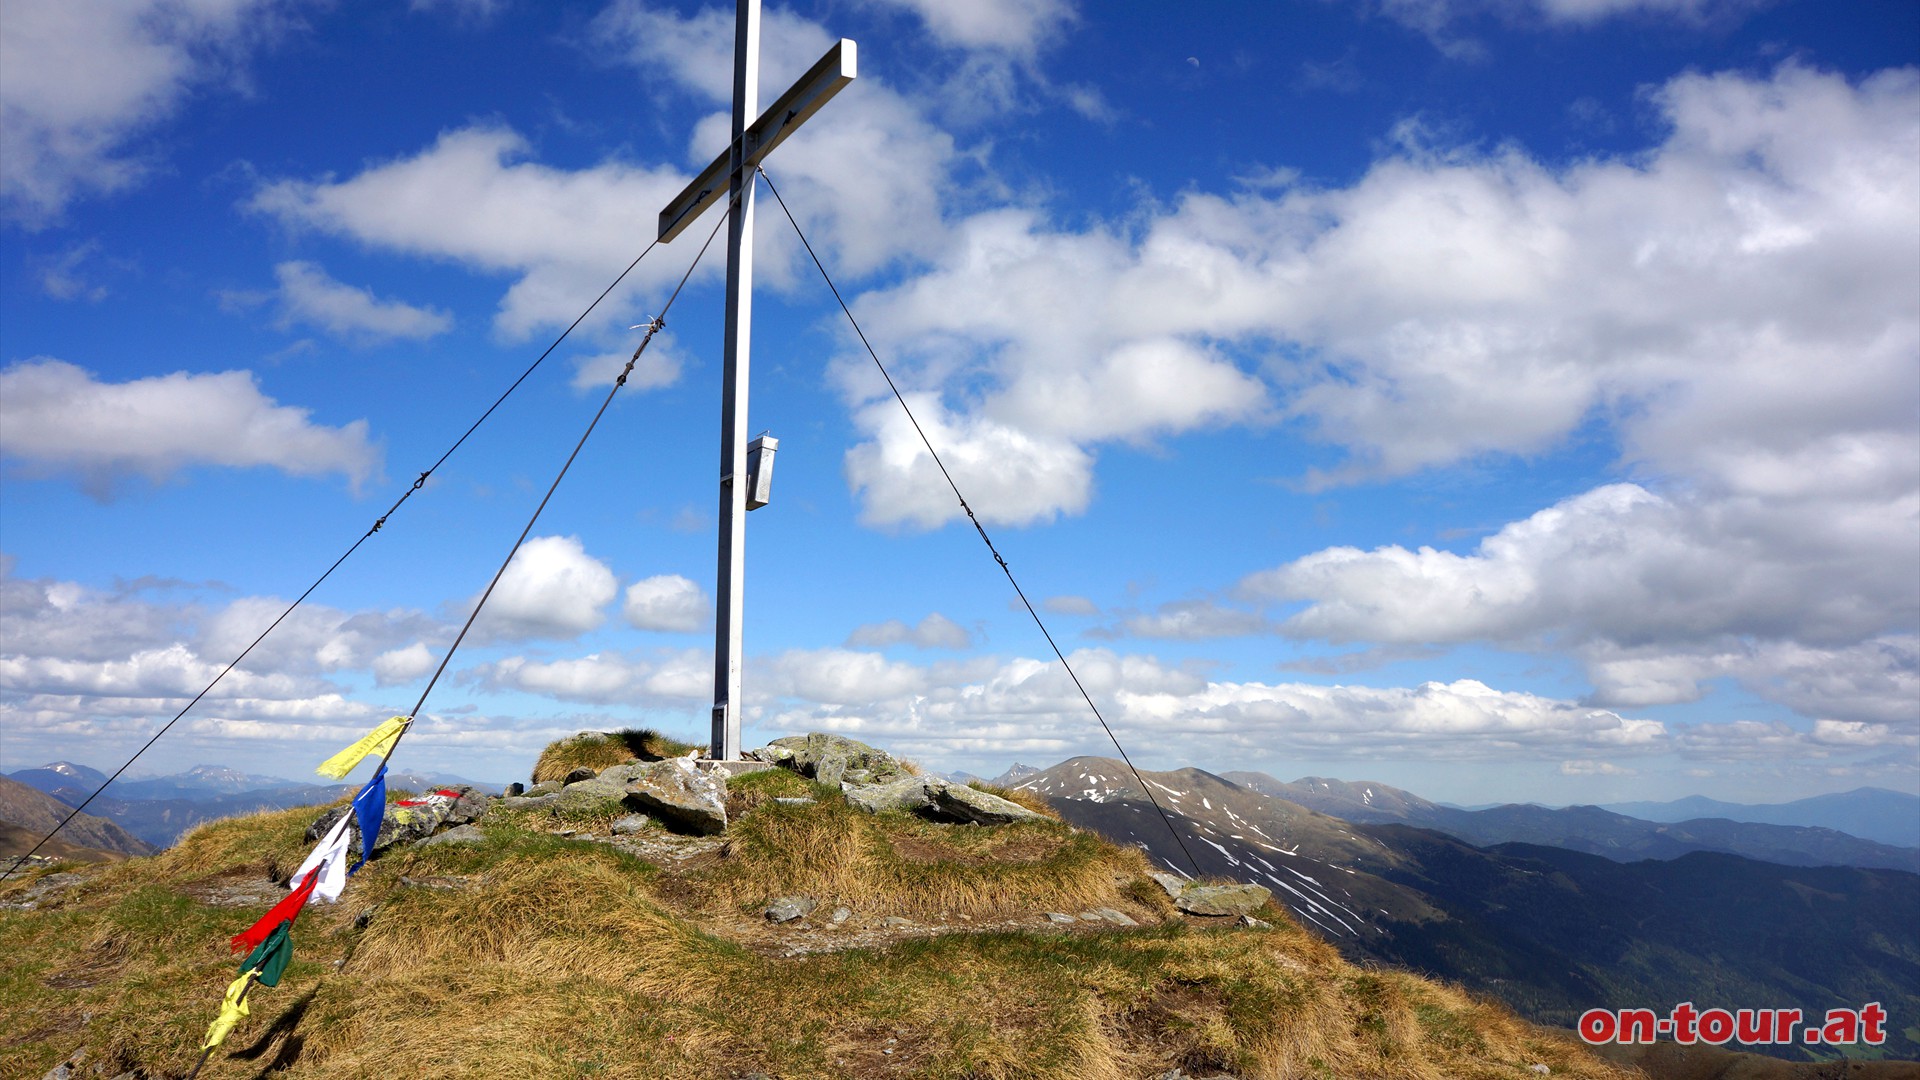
271 956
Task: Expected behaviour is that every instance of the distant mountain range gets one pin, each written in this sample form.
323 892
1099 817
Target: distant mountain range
1551 931
157 810
1592 829
1890 817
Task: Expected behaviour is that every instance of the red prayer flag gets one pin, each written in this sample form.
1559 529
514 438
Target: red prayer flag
284 911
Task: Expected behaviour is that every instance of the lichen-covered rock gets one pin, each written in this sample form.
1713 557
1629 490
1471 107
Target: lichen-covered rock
459 834
958 802
1222 899
677 792
411 819
907 794
632 823
591 796
789 908
937 799
832 759
530 802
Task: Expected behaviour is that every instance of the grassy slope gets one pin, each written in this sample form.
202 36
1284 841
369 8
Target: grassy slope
533 954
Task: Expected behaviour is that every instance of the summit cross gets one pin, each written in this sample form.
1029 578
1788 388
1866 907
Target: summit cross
733 172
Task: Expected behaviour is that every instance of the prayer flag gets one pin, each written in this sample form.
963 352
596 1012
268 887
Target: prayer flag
370 808
232 1009
285 911
269 961
330 859
378 741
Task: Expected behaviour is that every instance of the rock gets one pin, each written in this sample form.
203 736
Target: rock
896 922
906 794
545 787
958 802
1257 924
530 802
1537 1067
515 788
631 824
592 795
459 834
1222 899
938 800
579 773
792 800
1118 918
832 759
412 819
840 915
1059 917
678 792
1172 884
788 908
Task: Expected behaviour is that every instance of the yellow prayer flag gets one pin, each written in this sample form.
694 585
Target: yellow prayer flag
232 1009
378 741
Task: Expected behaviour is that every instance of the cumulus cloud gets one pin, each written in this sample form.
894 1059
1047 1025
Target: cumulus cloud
1195 620
667 602
308 296
673 679
82 80
936 631
57 416
552 589
474 198
1455 303
658 366
1441 21
403 665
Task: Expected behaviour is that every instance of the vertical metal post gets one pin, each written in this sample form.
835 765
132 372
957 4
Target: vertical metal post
731 584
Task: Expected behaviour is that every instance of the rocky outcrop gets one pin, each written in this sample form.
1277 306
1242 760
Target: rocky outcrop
413 819
939 800
675 791
1196 898
831 759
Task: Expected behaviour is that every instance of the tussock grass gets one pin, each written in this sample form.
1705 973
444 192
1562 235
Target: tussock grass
598 750
533 955
899 864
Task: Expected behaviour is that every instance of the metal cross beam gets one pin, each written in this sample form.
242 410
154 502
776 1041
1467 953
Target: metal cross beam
753 138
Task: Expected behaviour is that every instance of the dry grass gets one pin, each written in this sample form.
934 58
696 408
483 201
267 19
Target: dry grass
599 750
531 955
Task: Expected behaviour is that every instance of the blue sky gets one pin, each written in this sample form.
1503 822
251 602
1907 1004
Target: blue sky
1503 399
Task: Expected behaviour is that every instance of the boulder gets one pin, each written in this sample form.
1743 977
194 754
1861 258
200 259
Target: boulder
412 819
831 759
591 796
579 773
958 802
530 802
676 791
1222 899
937 799
459 834
907 794
631 824
788 908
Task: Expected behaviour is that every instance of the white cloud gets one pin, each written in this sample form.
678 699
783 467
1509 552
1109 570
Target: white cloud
1440 20
1017 26
658 366
1593 768
1454 303
936 631
472 198
81 80
551 589
173 671
1008 475
667 602
672 679
1069 605
1195 620
403 665
309 296
57 416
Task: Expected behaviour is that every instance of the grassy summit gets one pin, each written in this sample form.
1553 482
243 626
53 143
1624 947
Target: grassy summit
554 948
